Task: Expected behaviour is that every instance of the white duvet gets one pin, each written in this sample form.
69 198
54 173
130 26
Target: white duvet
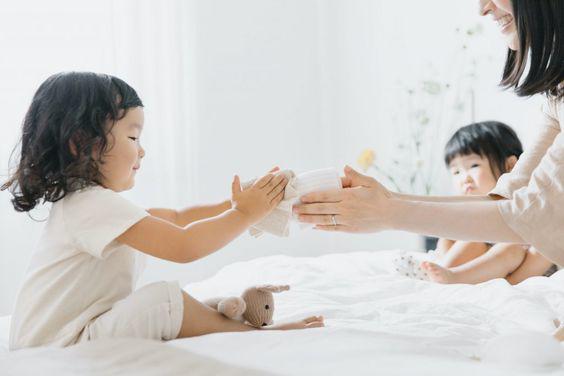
377 323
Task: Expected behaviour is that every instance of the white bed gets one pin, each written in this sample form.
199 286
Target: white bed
377 323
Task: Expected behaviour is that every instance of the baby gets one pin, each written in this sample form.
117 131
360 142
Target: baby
81 146
477 155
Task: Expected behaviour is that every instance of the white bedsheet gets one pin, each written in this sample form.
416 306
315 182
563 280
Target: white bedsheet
4 332
377 323
114 357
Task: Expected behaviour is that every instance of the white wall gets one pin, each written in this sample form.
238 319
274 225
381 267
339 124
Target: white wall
237 87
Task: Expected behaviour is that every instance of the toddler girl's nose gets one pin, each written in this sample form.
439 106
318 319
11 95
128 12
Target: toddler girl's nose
467 179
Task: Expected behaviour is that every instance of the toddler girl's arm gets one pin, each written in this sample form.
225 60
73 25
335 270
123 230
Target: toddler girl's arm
194 213
160 238
191 214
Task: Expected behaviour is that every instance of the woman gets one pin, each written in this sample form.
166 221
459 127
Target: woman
527 205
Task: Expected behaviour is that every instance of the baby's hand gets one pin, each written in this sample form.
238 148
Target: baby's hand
259 199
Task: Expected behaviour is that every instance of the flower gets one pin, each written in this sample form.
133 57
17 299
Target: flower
432 87
366 159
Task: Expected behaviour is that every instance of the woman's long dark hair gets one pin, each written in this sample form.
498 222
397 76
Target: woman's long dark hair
64 135
493 140
540 29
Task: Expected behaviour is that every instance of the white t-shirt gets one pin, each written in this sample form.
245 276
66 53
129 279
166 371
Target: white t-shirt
78 270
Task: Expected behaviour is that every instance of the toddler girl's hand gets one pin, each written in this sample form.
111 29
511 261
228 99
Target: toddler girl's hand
259 199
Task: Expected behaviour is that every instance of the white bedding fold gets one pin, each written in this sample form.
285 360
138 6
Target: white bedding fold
377 323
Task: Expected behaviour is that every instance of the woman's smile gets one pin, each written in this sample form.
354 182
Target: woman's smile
504 22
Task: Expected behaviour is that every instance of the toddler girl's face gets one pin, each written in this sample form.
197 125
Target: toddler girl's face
472 174
124 154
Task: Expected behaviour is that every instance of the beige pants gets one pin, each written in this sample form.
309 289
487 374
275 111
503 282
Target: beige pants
153 312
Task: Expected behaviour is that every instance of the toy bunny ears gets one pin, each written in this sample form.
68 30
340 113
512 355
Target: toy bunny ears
273 288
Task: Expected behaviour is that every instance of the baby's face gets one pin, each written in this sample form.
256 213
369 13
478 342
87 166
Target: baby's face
472 175
123 158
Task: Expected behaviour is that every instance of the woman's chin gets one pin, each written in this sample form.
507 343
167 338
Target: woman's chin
512 42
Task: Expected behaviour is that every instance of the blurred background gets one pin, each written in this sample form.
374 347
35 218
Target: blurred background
239 86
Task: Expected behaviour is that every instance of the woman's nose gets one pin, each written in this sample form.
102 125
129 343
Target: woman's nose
485 7
141 152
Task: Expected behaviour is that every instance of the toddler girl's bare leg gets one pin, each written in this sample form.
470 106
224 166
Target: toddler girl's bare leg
199 319
501 260
535 264
462 252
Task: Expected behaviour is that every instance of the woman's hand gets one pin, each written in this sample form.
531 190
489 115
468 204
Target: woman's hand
259 199
364 205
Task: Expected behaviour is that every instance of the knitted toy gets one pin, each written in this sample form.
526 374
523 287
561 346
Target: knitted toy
255 306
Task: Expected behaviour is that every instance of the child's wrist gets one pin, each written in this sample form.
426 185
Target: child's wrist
242 216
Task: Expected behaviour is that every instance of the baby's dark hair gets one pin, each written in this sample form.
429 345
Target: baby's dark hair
64 135
493 140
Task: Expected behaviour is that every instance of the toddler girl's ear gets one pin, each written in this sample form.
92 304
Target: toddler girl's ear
510 163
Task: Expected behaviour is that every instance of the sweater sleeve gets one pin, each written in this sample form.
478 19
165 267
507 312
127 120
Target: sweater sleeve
534 190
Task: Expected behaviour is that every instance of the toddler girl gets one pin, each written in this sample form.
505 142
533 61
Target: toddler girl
80 146
476 156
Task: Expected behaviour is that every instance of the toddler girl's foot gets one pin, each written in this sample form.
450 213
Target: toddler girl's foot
406 265
307 323
437 273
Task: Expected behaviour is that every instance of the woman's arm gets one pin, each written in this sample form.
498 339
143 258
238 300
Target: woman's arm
470 221
367 206
463 198
191 214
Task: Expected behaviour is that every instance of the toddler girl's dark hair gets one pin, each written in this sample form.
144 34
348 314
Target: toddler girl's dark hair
65 134
493 140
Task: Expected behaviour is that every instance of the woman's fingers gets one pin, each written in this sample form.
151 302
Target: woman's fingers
334 195
274 169
341 228
317 208
354 178
319 219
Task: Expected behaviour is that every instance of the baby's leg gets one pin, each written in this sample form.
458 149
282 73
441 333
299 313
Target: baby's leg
501 260
534 265
462 252
199 319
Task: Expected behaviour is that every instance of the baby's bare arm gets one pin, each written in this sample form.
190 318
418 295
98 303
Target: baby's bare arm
163 239
191 214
